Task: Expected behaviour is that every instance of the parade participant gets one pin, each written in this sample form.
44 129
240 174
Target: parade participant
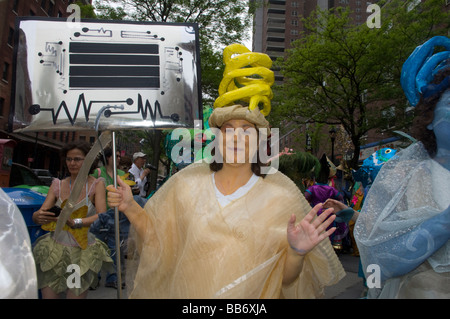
107 170
404 225
319 193
104 226
227 230
74 245
139 172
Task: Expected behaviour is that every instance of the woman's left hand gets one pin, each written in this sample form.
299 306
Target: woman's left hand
307 234
42 217
70 222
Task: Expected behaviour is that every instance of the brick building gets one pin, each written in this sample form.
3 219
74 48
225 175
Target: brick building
37 150
276 24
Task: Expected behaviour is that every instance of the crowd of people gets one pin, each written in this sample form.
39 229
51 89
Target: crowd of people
100 218
227 230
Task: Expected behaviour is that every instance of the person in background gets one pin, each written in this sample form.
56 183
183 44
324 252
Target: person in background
319 193
106 171
104 226
139 172
74 245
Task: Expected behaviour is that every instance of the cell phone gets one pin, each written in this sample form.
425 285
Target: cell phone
55 210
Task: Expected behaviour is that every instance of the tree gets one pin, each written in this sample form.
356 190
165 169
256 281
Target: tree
342 74
299 165
87 11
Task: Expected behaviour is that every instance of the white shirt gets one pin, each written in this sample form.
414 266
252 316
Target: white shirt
224 200
137 172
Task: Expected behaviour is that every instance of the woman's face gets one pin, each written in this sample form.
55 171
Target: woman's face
110 160
441 123
239 142
74 160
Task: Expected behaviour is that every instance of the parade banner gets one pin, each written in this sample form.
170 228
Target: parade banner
106 75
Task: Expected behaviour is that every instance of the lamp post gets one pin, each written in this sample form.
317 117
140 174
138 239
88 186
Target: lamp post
333 138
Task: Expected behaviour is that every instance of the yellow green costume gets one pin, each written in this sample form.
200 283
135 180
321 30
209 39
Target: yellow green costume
53 255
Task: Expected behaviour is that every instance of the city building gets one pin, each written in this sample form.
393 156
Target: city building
36 150
276 24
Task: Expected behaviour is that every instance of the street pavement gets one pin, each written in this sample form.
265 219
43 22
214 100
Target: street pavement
350 287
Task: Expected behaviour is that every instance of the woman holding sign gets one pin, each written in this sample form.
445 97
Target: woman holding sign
229 229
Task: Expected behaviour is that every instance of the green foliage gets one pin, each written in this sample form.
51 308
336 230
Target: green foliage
86 10
107 12
299 165
339 73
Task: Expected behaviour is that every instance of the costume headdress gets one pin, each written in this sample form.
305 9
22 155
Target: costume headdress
247 78
420 68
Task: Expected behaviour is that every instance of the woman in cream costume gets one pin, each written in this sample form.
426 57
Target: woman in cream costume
225 230
404 225
230 233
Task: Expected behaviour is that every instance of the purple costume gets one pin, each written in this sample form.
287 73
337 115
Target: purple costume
319 193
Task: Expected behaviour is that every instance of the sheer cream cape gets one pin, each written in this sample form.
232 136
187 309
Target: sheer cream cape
197 249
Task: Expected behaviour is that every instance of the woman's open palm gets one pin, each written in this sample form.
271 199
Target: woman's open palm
310 231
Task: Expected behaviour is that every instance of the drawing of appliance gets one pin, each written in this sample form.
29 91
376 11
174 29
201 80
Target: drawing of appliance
75 70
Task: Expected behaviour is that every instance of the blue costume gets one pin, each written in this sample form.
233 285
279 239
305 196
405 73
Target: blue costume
404 226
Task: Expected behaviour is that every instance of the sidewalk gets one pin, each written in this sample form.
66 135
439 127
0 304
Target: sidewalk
103 292
350 287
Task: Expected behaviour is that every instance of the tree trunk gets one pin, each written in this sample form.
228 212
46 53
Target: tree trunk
355 159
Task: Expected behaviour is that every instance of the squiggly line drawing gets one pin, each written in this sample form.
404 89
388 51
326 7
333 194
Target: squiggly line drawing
62 84
144 110
52 55
35 109
94 33
51 49
141 108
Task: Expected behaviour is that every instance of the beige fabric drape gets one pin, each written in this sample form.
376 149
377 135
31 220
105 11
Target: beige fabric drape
194 248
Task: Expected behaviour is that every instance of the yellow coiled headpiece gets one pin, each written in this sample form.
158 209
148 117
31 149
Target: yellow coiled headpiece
247 77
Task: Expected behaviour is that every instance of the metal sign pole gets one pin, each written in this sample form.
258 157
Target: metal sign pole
116 222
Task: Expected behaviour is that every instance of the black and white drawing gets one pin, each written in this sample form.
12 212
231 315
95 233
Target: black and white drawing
106 75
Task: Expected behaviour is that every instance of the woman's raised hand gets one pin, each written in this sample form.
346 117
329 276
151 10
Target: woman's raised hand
310 231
